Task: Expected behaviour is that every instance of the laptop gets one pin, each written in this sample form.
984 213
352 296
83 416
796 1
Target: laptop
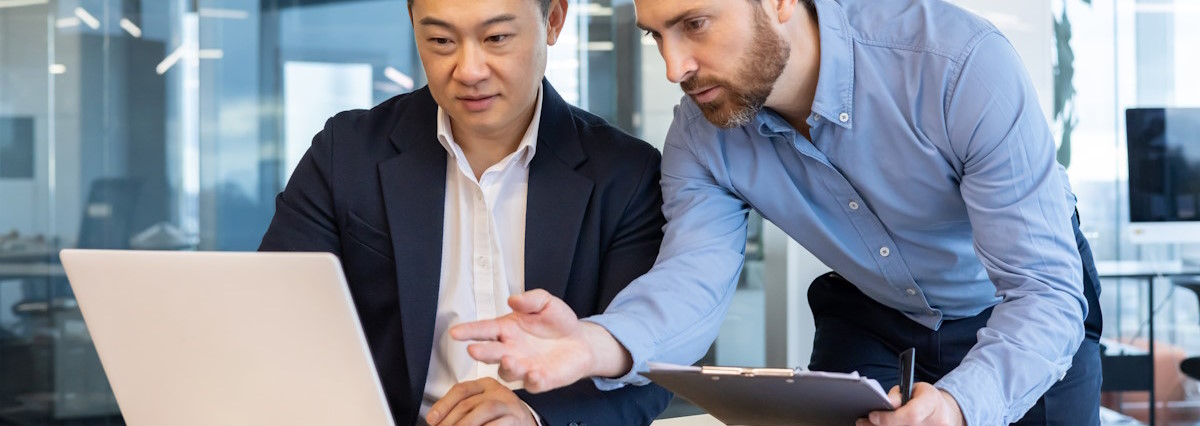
196 338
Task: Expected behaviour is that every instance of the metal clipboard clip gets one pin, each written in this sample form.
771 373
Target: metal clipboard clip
747 372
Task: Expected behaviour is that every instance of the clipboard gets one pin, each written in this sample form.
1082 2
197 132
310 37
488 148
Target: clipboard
773 396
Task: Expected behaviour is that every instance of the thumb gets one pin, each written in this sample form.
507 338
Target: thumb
894 396
530 302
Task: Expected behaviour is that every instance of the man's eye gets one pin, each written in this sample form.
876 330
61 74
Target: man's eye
439 41
499 38
696 24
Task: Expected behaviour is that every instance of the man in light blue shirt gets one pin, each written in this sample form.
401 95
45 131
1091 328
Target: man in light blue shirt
901 142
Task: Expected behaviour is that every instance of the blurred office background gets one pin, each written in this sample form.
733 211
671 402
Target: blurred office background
172 124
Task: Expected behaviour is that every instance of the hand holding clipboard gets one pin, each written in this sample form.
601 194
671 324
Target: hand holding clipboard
916 403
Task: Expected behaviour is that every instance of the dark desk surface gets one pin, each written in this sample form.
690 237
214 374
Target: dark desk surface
30 270
1143 269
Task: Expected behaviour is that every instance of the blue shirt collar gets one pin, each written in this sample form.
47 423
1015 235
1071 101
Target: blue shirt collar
835 84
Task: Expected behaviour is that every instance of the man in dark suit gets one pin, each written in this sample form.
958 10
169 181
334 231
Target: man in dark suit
443 202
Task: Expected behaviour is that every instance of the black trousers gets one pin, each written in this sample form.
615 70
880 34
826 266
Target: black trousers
856 333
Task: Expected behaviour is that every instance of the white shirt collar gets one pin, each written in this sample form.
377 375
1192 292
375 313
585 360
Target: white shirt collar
525 151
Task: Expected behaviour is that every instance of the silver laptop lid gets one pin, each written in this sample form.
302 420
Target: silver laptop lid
195 338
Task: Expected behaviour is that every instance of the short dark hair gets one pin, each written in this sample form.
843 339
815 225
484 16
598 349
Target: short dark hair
811 5
545 4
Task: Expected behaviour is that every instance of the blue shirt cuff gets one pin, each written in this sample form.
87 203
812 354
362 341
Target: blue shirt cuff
624 328
977 391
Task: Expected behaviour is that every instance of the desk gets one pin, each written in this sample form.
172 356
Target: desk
15 271
1107 418
700 420
1146 271
27 271
28 256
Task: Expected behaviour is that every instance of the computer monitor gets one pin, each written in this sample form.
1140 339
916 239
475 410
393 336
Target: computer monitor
1164 174
16 148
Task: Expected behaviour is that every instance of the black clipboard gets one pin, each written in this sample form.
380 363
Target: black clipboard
773 396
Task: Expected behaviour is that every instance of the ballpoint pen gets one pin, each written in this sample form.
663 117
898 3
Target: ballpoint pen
907 359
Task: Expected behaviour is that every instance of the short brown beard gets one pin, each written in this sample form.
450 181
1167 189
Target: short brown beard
760 67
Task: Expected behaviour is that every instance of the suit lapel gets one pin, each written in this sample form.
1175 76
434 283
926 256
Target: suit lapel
558 198
414 192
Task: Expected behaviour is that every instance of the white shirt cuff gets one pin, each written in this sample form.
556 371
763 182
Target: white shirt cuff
537 418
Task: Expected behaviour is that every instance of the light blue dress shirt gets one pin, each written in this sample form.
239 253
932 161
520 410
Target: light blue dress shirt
930 183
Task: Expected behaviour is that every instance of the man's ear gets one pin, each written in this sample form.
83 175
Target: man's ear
785 10
556 18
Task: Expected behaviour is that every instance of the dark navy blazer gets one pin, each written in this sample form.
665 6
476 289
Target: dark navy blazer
371 190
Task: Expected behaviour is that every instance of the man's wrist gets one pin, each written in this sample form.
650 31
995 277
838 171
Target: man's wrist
609 358
956 410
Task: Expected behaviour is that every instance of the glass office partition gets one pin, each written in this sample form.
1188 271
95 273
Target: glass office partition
88 146
279 69
172 125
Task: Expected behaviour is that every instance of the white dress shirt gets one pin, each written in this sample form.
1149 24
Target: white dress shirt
483 254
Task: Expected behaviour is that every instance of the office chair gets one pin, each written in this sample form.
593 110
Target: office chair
108 216
1190 366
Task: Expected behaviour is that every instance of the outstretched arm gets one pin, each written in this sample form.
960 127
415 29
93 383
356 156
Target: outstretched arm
670 314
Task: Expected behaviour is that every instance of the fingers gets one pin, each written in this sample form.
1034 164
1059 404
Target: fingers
460 411
489 352
496 405
489 409
438 412
530 302
894 396
921 409
540 380
511 369
535 382
486 330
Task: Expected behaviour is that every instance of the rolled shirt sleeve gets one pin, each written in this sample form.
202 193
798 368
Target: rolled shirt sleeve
1013 190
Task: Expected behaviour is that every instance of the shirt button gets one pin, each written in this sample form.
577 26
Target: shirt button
910 292
844 117
853 205
482 261
884 251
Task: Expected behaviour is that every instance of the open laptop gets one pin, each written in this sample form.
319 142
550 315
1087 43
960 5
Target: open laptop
194 338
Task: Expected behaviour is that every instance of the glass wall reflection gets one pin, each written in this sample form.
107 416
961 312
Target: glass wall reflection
157 125
172 125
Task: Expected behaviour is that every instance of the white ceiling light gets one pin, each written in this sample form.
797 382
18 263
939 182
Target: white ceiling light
1167 8
596 9
170 60
599 46
131 28
399 78
19 3
58 69
210 54
69 22
87 18
223 13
